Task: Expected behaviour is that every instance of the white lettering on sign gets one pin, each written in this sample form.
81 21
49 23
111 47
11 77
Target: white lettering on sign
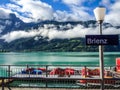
97 41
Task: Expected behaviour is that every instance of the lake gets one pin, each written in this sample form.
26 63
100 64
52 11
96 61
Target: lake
57 58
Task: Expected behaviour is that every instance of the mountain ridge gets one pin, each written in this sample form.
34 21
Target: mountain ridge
41 43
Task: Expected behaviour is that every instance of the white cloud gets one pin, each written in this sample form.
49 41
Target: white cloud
17 35
31 10
77 31
73 2
36 10
51 32
114 13
64 16
81 13
4 14
106 3
112 30
76 14
77 10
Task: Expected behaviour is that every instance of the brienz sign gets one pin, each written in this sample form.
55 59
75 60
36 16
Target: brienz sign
102 39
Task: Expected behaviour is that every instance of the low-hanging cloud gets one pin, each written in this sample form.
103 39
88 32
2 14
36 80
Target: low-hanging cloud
53 33
17 35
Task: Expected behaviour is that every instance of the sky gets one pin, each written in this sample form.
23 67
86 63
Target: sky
59 10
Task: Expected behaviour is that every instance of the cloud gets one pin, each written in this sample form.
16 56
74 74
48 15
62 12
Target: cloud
77 10
50 31
37 10
106 3
17 35
73 2
111 30
114 13
77 31
4 14
65 16
30 10
81 13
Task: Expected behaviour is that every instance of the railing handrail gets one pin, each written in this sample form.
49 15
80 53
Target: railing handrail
81 65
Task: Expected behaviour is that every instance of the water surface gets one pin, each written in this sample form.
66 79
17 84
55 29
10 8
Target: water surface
57 58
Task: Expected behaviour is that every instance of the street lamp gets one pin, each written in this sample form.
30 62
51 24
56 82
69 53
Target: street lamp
99 15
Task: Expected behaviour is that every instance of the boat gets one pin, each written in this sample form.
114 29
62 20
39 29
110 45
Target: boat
95 74
32 71
62 72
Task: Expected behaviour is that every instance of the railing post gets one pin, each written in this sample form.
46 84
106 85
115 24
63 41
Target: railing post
46 70
85 71
27 66
46 76
8 78
85 74
2 83
28 70
110 67
28 74
9 71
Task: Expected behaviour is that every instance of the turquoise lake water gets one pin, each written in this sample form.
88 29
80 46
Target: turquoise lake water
57 58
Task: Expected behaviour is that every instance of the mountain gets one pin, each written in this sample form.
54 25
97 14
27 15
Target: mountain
13 24
10 24
40 41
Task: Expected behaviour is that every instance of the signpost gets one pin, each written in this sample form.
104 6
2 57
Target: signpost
102 39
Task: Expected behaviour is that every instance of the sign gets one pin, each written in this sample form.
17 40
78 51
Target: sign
102 39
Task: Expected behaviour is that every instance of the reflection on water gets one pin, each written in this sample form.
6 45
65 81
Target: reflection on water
50 58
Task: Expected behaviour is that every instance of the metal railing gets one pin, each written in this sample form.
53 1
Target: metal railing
49 76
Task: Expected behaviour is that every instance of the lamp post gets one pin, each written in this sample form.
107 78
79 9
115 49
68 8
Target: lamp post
99 15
